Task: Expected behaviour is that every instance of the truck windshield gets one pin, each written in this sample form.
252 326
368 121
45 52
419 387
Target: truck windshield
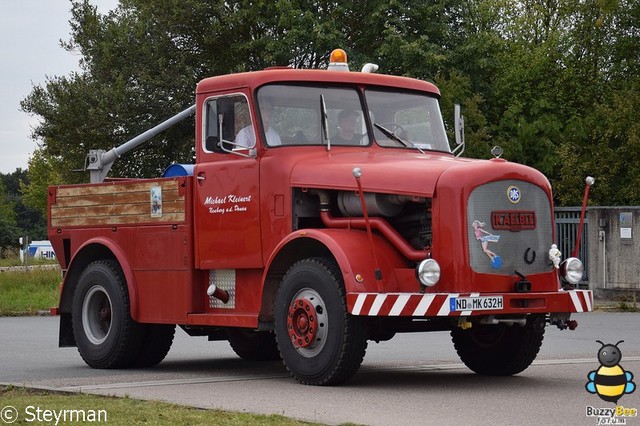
296 115
398 119
403 119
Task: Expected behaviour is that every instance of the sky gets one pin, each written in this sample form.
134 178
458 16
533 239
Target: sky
30 34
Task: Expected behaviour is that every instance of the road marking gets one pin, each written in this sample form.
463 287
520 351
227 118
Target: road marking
579 360
460 366
174 382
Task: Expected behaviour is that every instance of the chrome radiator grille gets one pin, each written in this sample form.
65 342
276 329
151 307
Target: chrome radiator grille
509 228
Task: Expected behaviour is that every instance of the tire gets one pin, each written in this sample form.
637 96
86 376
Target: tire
312 292
252 345
105 333
499 350
156 343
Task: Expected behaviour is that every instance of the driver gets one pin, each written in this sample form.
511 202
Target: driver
347 129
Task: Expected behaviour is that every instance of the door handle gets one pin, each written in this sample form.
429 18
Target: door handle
200 178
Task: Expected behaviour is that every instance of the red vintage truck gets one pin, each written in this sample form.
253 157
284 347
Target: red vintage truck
325 209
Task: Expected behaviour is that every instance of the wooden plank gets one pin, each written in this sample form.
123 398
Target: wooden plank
110 188
115 209
117 198
117 220
116 204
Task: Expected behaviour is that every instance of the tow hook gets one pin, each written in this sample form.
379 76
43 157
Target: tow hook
524 285
464 323
563 325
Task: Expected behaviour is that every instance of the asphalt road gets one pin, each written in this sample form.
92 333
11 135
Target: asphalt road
414 379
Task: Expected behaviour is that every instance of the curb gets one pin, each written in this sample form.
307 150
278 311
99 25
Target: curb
39 313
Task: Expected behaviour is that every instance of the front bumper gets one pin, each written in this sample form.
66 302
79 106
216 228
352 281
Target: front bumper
423 305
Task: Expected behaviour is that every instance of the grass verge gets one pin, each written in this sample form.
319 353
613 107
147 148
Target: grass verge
15 261
117 411
27 292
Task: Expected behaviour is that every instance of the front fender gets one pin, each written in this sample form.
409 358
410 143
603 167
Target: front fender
95 249
350 249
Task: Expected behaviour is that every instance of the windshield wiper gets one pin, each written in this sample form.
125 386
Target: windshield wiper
324 122
391 134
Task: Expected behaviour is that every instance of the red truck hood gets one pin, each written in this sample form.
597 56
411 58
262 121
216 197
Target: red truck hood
388 172
407 172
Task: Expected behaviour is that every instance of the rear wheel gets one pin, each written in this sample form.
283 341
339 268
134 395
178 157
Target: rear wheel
105 333
499 350
319 341
253 345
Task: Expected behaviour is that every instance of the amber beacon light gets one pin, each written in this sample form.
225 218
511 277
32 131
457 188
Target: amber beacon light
338 60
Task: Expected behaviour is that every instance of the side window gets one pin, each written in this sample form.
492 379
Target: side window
227 118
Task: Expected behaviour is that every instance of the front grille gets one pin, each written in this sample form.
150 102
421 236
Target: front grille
523 229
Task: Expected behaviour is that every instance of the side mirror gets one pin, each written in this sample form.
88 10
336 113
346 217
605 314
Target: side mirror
458 126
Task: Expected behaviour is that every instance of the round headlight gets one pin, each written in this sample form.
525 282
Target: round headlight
428 272
572 270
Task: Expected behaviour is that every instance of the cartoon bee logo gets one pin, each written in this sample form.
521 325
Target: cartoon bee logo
610 381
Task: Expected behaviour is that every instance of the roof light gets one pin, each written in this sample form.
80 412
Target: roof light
338 55
338 60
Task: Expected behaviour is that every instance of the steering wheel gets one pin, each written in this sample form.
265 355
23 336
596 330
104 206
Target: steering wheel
396 128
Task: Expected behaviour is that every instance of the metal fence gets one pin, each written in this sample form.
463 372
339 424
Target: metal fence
567 224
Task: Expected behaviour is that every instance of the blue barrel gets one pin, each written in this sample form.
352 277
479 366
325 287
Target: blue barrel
176 169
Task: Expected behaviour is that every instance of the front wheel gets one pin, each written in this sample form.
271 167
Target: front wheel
319 341
500 350
105 333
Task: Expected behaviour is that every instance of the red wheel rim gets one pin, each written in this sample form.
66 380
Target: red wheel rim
302 323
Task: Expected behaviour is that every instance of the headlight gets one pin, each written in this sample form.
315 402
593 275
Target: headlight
428 272
572 270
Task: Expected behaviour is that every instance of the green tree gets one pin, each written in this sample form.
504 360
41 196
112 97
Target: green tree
43 171
22 218
558 81
8 229
604 78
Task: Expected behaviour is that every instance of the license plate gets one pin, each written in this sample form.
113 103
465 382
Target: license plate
480 303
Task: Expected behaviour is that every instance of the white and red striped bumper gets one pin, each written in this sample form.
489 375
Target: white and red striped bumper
439 304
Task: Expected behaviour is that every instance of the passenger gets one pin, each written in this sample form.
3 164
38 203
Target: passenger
246 137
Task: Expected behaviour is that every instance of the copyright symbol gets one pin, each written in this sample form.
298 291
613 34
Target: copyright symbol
9 414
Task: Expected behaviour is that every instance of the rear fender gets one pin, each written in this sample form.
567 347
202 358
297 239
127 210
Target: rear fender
92 250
